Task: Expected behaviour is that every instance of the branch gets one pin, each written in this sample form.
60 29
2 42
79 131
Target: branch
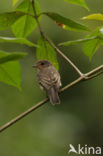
51 43
22 115
97 71
89 75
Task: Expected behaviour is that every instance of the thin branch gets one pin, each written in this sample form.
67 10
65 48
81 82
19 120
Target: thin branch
22 115
95 71
52 44
72 84
88 76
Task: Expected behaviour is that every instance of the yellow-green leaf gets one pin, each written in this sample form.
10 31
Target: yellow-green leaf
79 2
94 17
15 2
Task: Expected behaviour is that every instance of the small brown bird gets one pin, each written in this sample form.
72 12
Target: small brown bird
49 79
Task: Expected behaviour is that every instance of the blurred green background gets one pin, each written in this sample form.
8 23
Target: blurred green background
78 119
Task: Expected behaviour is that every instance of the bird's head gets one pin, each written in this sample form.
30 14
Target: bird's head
42 64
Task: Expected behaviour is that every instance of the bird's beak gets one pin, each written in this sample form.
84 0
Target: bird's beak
34 66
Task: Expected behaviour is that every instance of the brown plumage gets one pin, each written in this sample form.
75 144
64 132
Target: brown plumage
49 78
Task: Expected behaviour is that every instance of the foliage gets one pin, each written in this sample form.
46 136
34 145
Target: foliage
66 23
22 23
46 52
17 40
7 19
26 24
78 2
10 68
90 43
15 2
98 17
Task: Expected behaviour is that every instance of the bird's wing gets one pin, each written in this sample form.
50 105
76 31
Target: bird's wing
48 78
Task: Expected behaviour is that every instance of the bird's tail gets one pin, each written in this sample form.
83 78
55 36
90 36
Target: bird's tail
53 96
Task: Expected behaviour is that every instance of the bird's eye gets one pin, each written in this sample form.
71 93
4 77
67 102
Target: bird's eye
42 63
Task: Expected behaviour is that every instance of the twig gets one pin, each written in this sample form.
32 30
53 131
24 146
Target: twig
52 44
88 76
98 69
22 115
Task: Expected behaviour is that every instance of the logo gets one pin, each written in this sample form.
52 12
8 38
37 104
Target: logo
84 150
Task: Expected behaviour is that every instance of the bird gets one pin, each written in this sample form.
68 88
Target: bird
49 80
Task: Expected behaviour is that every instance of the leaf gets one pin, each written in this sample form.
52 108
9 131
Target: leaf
67 23
94 17
15 2
17 40
26 7
78 2
10 72
46 52
90 43
91 46
26 24
77 41
6 57
7 19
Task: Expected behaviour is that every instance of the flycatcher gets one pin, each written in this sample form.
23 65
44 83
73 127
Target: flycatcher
49 79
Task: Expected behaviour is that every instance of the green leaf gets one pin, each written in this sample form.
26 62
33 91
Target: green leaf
15 2
78 2
91 46
26 7
26 24
46 52
6 57
10 72
7 19
17 40
90 43
77 41
94 17
66 23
